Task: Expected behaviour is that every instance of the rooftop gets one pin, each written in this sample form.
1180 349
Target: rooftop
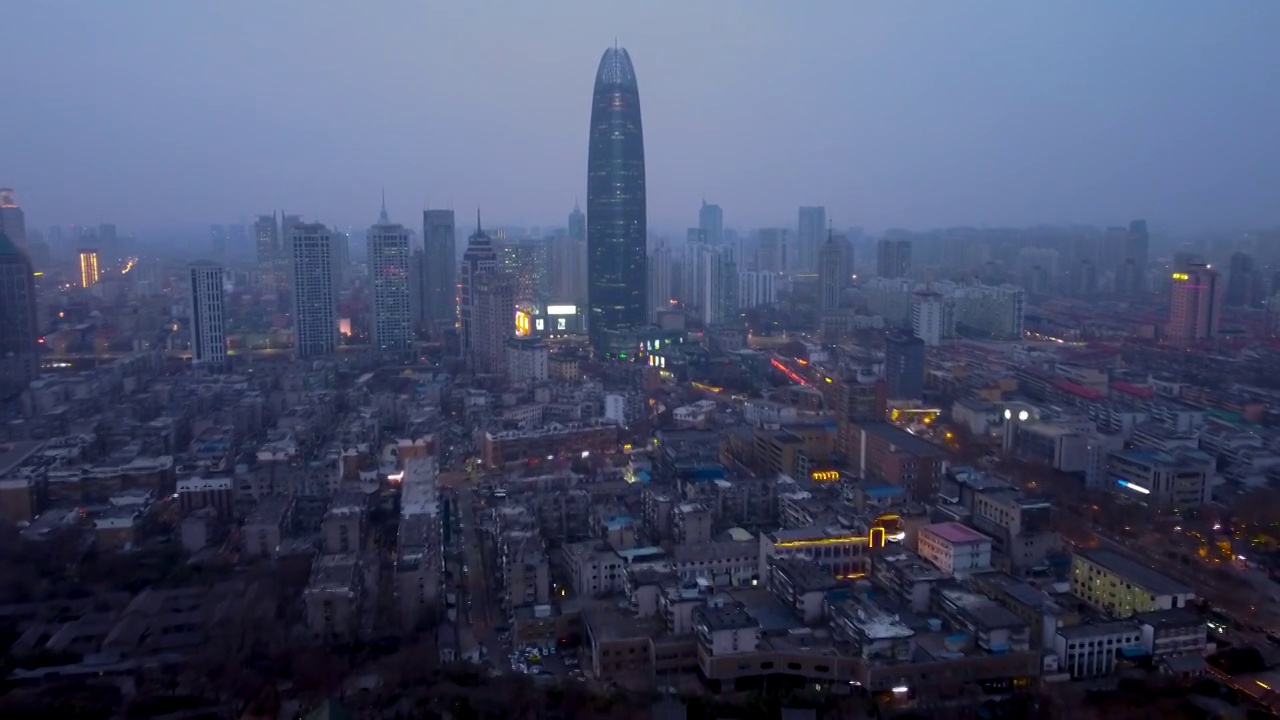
1136 572
955 533
902 440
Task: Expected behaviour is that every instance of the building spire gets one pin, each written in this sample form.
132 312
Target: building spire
382 217
478 230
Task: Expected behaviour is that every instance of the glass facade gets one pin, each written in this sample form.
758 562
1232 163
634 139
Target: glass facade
616 228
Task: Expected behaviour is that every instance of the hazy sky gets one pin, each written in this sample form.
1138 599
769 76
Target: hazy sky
910 114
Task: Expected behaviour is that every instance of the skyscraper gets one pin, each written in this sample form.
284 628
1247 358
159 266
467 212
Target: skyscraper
389 275
439 269
1195 304
19 332
577 224
616 221
1243 283
218 240
834 262
315 325
711 223
893 258
1131 275
88 267
267 236
481 258
208 321
12 220
809 237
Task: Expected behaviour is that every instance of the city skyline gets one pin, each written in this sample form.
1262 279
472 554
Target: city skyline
964 132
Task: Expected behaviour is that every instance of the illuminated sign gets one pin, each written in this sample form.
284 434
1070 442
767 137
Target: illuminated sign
540 324
824 475
523 324
1130 486
562 309
1181 276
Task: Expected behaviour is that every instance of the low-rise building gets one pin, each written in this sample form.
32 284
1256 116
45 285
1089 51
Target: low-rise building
954 548
1122 587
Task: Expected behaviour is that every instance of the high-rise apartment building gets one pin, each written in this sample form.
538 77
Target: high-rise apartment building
19 331
389 276
659 281
208 317
932 317
617 232
904 367
12 220
756 289
315 324
715 280
494 316
89 275
711 223
810 236
1195 304
530 261
439 269
282 268
480 258
893 258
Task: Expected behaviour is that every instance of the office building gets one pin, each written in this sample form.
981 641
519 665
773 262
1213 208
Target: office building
1131 274
893 258
711 224
1195 304
218 240
617 233
208 317
771 250
19 331
12 221
438 266
904 367
88 267
835 267
480 258
569 260
315 325
811 235
530 261
267 237
389 276
1244 286
494 321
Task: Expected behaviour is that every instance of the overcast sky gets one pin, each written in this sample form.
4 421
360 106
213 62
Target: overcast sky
892 114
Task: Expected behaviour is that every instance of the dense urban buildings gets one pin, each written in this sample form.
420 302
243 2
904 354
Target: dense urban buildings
208 317
617 233
971 472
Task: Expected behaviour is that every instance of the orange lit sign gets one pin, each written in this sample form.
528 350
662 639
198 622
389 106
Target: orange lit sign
524 326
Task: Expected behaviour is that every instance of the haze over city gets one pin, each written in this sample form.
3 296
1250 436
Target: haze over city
912 115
